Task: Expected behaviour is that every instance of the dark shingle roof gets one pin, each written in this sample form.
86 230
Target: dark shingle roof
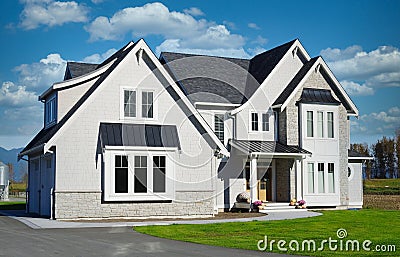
47 133
317 96
267 147
76 69
221 79
118 134
352 153
295 81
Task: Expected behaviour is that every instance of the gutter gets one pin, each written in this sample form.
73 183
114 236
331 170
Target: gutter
32 150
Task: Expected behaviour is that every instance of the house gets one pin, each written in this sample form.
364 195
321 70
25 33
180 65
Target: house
183 135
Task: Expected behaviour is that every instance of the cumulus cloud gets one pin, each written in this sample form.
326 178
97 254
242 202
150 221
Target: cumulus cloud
354 88
375 69
194 11
180 30
13 95
253 26
41 75
98 58
378 123
51 13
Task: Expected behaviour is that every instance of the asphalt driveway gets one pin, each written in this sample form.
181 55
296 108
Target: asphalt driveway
17 239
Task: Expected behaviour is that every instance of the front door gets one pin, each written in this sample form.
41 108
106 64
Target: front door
265 184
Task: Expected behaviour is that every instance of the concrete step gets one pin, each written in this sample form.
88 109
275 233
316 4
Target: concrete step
279 207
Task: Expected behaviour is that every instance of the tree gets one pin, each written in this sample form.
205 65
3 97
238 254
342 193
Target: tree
11 173
397 153
379 160
25 179
388 153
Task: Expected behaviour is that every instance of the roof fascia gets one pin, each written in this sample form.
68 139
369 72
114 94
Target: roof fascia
339 86
275 70
196 113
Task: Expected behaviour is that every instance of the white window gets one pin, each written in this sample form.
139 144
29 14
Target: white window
310 124
321 177
50 111
254 121
330 125
320 124
265 122
331 178
219 126
140 174
311 187
129 103
147 104
121 174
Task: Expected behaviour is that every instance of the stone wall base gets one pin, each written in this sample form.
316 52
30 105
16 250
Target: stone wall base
89 205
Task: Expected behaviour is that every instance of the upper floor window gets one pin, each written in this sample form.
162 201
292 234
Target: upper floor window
219 126
50 111
265 122
254 121
330 125
147 104
320 124
129 103
310 124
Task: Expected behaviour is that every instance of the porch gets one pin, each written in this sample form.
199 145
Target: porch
273 171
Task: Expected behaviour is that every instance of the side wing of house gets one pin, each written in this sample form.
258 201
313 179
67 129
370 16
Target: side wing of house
131 141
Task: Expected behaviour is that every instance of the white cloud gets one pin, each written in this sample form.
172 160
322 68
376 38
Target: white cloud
194 11
51 13
253 26
181 31
378 123
354 88
260 40
372 70
41 75
97 1
98 58
12 95
173 45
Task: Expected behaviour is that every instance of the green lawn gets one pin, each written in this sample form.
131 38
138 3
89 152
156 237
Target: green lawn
381 227
12 205
382 186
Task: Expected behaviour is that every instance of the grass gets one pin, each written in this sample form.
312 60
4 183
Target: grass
12 205
381 227
382 186
18 187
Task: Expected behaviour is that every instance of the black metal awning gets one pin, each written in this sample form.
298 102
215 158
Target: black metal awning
267 147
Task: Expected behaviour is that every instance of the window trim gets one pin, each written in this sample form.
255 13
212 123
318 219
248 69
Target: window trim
315 121
326 178
223 126
139 101
151 106
53 110
109 177
254 121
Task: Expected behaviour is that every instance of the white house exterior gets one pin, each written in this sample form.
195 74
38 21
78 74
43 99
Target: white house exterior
183 135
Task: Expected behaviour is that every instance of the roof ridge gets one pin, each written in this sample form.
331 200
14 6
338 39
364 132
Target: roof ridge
205 55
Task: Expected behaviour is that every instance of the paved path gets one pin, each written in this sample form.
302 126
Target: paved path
42 223
17 239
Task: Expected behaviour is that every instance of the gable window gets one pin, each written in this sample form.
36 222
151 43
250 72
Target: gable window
320 124
310 177
129 103
159 168
121 174
265 122
254 121
330 125
50 111
147 104
331 178
219 126
140 184
310 124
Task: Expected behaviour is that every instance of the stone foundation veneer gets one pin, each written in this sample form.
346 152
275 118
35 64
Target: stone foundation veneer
88 205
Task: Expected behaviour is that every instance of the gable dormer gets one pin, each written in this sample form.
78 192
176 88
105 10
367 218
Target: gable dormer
50 110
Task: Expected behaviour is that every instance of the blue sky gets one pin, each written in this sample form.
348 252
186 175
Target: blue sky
359 40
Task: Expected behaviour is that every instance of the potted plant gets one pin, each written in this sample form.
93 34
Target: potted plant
301 204
255 205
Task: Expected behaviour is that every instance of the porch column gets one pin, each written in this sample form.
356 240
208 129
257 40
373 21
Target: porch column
299 179
253 178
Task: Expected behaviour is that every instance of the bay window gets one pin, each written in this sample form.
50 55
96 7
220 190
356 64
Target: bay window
140 173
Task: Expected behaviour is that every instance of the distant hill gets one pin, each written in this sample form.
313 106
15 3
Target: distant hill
10 156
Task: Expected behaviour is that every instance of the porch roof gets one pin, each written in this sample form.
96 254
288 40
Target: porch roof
268 148
144 135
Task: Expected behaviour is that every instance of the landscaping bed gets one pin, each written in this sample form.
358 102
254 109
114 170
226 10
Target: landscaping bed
385 202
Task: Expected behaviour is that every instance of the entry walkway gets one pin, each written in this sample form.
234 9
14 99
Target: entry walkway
43 223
